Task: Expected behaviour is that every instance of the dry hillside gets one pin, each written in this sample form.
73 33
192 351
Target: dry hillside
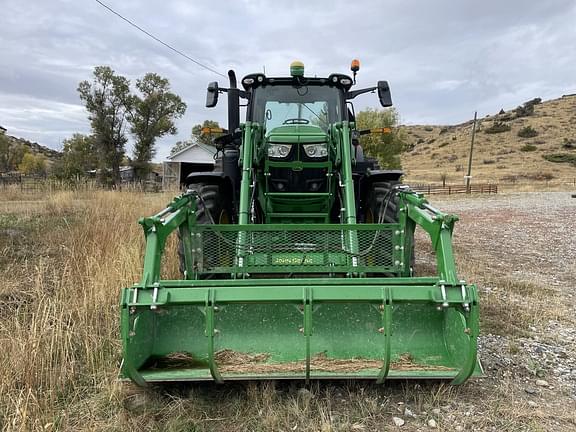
498 157
35 148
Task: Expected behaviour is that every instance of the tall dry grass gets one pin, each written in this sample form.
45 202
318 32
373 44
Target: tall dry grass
59 314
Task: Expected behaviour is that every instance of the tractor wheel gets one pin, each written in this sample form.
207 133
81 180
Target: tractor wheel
382 207
212 208
382 203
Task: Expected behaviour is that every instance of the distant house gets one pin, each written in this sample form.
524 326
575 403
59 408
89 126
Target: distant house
3 130
127 175
194 158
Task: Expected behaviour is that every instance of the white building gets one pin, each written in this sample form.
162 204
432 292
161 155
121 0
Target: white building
194 158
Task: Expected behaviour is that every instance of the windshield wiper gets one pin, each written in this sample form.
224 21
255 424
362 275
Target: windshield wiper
310 109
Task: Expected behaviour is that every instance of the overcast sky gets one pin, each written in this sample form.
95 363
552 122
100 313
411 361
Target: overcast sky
443 59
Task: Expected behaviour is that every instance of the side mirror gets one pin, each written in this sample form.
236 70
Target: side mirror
212 95
384 94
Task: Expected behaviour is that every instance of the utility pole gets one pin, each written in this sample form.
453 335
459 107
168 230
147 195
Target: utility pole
469 175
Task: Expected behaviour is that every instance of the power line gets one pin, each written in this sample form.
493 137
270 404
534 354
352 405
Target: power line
159 40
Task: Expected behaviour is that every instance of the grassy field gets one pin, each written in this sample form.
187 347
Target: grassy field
65 255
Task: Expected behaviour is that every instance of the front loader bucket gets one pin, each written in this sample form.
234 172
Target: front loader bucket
299 302
299 329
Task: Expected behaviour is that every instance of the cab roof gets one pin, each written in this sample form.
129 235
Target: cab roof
255 80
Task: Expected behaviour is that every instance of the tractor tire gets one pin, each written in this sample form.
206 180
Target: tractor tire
212 208
382 207
382 203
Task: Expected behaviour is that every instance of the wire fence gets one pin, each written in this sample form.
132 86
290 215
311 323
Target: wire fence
43 184
24 184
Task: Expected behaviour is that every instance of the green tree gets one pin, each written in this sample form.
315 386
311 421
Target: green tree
386 147
180 145
4 152
107 100
32 164
152 116
203 138
198 136
78 157
11 154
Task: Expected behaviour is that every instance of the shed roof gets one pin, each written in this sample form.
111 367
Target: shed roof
195 152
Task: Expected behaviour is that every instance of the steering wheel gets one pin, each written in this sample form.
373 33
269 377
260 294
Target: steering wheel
296 121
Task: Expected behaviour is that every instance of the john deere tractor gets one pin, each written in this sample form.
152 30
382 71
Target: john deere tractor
297 257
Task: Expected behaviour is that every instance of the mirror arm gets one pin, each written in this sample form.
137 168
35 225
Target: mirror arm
241 93
353 94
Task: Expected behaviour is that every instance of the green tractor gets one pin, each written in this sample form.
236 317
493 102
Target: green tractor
297 257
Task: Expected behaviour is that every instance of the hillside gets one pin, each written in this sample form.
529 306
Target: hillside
35 148
498 157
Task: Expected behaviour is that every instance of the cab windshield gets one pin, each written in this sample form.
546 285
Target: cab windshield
279 105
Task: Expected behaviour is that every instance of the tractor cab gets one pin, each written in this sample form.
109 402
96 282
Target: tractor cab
297 149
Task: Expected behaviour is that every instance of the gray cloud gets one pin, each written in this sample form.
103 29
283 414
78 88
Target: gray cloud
444 59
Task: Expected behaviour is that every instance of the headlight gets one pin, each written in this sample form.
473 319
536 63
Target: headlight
316 150
279 150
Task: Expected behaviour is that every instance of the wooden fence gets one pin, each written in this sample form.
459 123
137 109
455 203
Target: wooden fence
455 189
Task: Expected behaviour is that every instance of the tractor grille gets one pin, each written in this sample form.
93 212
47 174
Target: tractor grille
297 249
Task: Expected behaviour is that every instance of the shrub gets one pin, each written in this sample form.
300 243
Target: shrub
488 161
444 144
505 151
569 144
428 128
561 158
528 148
543 176
527 132
497 127
528 108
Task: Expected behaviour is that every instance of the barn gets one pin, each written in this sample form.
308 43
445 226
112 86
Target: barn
194 158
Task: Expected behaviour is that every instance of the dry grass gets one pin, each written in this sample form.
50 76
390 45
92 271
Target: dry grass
59 327
63 258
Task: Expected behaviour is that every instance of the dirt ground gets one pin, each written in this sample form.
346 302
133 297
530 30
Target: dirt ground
62 266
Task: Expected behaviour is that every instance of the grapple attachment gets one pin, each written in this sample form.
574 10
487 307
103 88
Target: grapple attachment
299 302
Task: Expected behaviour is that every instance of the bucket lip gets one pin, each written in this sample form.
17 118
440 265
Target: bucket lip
393 375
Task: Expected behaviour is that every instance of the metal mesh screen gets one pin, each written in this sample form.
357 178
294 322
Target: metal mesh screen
285 249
